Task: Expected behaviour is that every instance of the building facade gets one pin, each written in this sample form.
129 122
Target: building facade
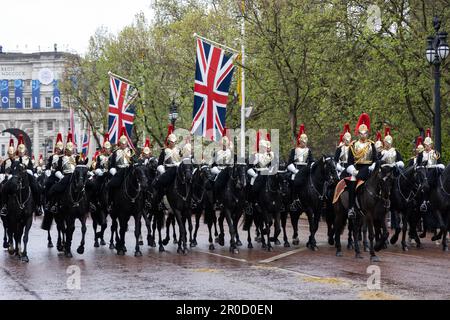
31 101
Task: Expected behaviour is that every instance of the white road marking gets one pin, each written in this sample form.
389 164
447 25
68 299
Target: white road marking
222 256
282 255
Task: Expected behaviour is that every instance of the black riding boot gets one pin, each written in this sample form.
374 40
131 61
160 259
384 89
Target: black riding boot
351 185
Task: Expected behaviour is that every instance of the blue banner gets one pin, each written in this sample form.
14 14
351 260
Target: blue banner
18 93
4 93
56 95
35 94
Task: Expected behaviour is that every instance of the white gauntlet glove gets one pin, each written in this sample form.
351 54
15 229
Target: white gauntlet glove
113 171
98 172
29 172
215 170
161 169
48 173
372 166
339 167
400 164
59 175
292 168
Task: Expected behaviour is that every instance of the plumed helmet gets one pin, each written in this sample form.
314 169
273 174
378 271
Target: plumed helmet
59 142
171 137
419 145
301 136
387 135
21 145
123 139
363 124
69 142
106 143
347 136
428 141
11 149
146 150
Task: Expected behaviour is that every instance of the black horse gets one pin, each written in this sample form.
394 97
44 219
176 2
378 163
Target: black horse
129 201
315 193
232 201
98 204
179 197
440 206
19 211
373 198
73 205
284 177
406 189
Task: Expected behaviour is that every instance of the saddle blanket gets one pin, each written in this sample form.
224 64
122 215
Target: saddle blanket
340 187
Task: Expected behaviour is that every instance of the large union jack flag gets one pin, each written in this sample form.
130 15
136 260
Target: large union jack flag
121 110
213 74
86 141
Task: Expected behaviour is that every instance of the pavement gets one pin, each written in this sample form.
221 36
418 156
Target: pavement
285 273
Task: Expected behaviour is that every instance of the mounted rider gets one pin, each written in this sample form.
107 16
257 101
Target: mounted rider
6 171
361 160
261 166
40 165
119 161
431 159
389 154
168 161
379 144
222 158
52 163
103 157
64 170
299 163
341 154
418 150
146 153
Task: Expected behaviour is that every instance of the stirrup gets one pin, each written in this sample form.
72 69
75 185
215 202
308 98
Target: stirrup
295 205
424 207
248 209
351 213
3 212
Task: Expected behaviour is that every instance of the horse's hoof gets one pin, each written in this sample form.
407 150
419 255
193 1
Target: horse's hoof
419 246
405 248
314 247
374 258
434 238
25 259
111 246
250 246
194 242
125 249
211 247
175 241
358 256
277 242
238 243
68 254
120 252
5 245
258 239
80 250
445 249
216 239
165 242
50 245
102 242
366 249
11 251
263 246
141 243
350 246
331 241
96 245
422 235
59 247
185 251
393 240
286 244
296 242
192 245
339 254
269 249
179 250
161 249
234 250
221 241
138 254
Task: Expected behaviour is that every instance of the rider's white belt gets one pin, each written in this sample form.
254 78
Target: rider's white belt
121 166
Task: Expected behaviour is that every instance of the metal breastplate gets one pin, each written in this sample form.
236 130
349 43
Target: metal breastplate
123 158
264 159
104 162
362 152
55 160
172 156
343 157
430 157
390 156
8 163
301 155
223 157
25 160
69 163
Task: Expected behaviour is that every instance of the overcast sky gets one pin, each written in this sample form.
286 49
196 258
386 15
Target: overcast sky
26 25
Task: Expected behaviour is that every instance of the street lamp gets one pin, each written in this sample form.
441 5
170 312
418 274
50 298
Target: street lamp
436 52
173 114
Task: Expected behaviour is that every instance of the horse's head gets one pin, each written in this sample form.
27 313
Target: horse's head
239 176
152 164
331 174
185 171
138 172
20 177
421 179
385 174
80 177
284 177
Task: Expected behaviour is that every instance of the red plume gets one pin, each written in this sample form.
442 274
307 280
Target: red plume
258 137
378 136
147 142
419 141
363 119
387 132
59 137
428 134
346 128
69 137
40 157
11 142
20 140
169 132
341 136
32 157
301 131
96 154
268 136
106 137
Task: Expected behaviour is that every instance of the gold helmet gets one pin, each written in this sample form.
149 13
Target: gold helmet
11 149
106 143
59 143
69 142
428 141
387 136
123 139
301 136
146 150
21 148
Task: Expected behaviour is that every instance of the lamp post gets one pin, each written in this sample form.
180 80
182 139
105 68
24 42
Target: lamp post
436 52
173 113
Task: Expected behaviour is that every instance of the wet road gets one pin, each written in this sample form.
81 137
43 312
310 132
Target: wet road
285 273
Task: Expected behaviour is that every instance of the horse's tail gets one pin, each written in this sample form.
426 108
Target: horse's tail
47 221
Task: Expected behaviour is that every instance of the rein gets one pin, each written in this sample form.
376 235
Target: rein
21 203
442 187
76 203
125 187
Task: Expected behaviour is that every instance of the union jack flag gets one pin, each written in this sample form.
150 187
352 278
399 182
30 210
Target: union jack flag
86 142
213 74
121 111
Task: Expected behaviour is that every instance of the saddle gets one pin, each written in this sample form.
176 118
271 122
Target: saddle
340 187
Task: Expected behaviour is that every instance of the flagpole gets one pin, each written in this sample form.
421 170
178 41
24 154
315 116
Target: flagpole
216 43
117 76
242 138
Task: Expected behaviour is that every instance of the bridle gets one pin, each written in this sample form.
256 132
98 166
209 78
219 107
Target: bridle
76 202
137 188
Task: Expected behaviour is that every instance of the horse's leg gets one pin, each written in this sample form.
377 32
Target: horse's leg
330 227
233 247
350 241
5 239
404 231
221 238
191 228
396 223
365 241
168 222
210 216
113 232
198 215
104 225
277 229
137 233
442 226
356 229
154 226
24 254
123 225
295 216
94 226
370 228
80 249
283 225
236 219
49 240
181 227
175 241
311 244
70 228
339 224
